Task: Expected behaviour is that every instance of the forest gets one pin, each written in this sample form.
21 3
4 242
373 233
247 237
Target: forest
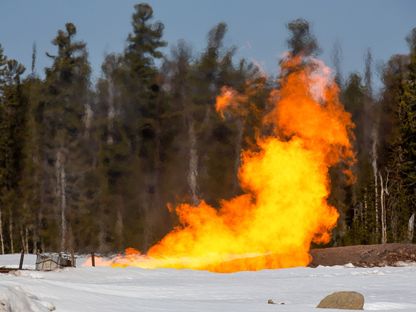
97 165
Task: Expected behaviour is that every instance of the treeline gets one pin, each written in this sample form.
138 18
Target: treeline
92 167
380 206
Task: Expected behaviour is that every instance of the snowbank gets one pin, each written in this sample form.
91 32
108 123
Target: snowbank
133 289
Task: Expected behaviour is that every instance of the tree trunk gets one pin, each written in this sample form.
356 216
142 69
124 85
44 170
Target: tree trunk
383 192
365 210
238 147
61 187
22 239
119 226
375 174
411 228
193 163
111 111
156 196
1 234
63 207
27 239
103 225
146 226
34 243
153 197
102 246
41 181
89 115
11 232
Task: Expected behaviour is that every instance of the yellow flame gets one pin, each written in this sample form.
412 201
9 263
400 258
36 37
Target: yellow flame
285 181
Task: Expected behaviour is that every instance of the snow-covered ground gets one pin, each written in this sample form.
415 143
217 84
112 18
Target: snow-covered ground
133 289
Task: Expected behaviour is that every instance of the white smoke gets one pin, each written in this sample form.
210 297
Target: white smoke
321 77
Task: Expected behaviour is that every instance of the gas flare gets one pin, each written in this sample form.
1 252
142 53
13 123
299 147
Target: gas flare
285 182
229 99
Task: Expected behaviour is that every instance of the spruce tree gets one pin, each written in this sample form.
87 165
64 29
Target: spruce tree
130 108
403 156
12 130
114 154
64 107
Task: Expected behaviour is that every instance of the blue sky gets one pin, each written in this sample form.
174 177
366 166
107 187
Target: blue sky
256 27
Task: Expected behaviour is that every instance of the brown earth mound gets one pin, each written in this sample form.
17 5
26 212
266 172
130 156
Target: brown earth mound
364 255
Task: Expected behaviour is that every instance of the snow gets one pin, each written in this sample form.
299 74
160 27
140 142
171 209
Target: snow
134 289
12 261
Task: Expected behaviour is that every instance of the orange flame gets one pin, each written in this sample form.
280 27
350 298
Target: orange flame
229 99
225 99
286 184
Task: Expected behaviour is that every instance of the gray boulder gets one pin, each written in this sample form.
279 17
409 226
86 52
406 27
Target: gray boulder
349 300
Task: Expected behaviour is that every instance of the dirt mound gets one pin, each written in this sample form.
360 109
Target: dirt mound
364 255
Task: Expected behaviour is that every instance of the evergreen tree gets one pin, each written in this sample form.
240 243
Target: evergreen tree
131 109
408 124
64 107
12 130
216 153
359 200
95 170
32 180
114 154
143 112
402 162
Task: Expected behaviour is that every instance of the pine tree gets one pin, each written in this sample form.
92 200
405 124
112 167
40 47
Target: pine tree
403 156
214 136
359 201
64 107
177 71
12 130
31 182
408 123
131 108
114 154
